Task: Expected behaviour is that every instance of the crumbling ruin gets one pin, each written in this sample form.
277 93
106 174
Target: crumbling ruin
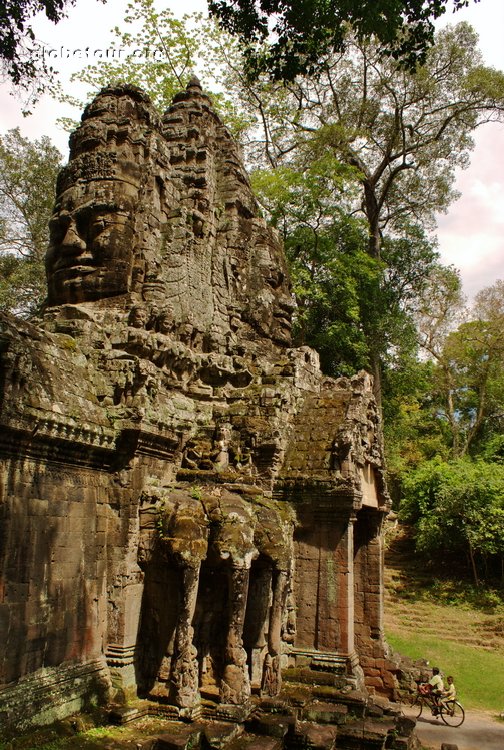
189 507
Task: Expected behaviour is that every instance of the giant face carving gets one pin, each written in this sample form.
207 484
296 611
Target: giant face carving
271 305
91 246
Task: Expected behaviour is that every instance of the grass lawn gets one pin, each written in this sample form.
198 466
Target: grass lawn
478 674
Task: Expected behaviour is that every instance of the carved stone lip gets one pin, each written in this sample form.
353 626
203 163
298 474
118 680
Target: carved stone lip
70 270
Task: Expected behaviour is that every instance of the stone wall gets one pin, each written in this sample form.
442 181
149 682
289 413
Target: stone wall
189 507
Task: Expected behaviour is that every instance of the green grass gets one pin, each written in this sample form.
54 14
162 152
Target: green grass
478 674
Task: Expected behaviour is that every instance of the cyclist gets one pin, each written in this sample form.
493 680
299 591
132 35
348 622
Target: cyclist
437 688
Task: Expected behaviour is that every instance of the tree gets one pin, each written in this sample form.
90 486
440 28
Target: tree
474 357
466 348
28 171
334 277
419 413
18 61
457 507
305 31
403 134
159 53
326 250
439 310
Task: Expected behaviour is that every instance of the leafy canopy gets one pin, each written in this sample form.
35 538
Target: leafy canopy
159 52
301 32
397 137
28 171
458 507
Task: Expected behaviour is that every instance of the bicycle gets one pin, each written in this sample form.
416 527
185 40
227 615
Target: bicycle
451 712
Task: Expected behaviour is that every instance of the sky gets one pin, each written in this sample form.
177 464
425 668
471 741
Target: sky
470 235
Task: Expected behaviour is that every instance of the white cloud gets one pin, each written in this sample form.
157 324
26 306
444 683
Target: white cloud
471 235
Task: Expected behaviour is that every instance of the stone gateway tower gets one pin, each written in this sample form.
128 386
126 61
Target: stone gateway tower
188 507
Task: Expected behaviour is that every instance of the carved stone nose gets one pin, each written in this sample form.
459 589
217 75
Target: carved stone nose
72 238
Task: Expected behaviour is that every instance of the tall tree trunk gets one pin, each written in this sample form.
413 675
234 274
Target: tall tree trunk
473 565
376 372
373 335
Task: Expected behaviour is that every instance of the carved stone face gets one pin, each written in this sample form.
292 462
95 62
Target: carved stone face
138 317
164 322
91 241
272 305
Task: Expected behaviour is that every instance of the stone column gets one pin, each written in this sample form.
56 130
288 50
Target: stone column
257 619
272 676
346 589
185 665
125 601
375 585
235 683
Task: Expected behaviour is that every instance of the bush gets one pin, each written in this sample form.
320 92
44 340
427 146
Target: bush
458 506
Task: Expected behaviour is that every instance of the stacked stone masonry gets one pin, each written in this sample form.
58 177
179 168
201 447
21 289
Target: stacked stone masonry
189 508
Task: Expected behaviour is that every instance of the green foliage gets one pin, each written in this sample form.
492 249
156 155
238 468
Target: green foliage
453 592
16 56
466 347
331 271
413 431
493 448
28 171
196 492
457 506
303 31
159 53
346 298
444 430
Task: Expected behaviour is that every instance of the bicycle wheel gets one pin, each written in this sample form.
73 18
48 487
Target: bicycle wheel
452 714
417 706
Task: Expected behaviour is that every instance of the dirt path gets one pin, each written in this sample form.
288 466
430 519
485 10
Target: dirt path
478 732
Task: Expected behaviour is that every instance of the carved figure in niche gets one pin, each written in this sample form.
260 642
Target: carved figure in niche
289 626
190 335
235 686
185 333
222 439
185 677
271 675
139 340
341 459
164 321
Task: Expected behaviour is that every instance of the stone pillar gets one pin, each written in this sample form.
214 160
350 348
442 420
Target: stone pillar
235 683
185 665
375 587
272 676
346 644
257 619
125 604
